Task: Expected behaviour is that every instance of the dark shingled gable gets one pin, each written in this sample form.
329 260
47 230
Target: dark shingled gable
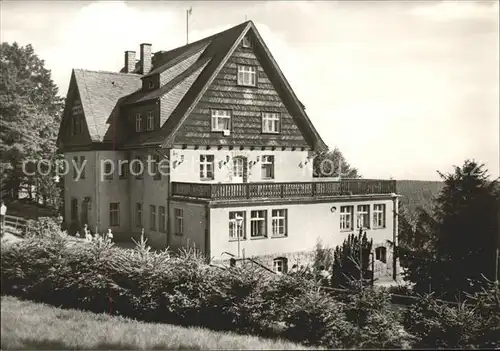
188 71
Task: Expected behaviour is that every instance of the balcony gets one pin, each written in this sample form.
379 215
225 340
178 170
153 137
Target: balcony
238 191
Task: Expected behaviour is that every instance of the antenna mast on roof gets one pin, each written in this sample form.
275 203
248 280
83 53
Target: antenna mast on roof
188 13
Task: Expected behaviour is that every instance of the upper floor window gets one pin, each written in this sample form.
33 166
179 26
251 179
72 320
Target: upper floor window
379 216
151 84
137 167
74 209
79 164
270 122
108 170
162 219
346 217
221 120
268 167
278 222
156 167
363 216
247 42
76 125
138 214
206 167
247 75
150 121
114 214
152 217
123 169
138 122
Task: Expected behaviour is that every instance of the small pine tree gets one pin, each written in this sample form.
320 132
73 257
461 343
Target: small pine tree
347 265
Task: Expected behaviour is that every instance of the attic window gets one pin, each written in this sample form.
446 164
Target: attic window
151 84
247 42
247 75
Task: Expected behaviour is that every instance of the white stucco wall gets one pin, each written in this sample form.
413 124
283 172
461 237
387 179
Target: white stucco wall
286 165
194 226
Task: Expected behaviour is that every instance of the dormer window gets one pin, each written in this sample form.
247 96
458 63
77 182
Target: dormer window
150 121
247 75
138 122
247 42
151 84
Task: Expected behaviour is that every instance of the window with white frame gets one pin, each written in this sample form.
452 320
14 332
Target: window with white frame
363 216
346 218
178 221
236 225
379 216
270 122
114 214
152 217
138 215
162 219
247 75
150 121
279 222
138 122
247 42
258 224
221 120
267 167
206 167
280 265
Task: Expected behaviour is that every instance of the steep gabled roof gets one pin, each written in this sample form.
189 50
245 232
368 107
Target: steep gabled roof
99 93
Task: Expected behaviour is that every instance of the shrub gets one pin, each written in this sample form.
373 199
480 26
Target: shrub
44 227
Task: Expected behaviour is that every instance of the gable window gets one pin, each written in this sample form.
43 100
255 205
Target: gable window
267 167
346 218
178 221
258 224
138 122
363 216
76 126
379 216
74 209
151 84
150 121
114 214
221 120
247 42
138 215
280 265
236 225
270 122
162 219
278 222
206 167
152 217
247 75
381 254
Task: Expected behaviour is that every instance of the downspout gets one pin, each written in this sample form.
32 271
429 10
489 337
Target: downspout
97 185
207 232
169 195
395 222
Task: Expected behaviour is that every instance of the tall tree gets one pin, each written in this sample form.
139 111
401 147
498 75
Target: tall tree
30 111
449 250
332 163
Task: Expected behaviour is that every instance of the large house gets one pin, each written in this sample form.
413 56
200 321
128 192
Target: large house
207 145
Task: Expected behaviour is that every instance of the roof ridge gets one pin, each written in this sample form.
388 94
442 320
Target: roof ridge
108 72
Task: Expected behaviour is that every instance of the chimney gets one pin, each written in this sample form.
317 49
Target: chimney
145 58
129 61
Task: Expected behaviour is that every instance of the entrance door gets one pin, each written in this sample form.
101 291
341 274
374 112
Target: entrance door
239 170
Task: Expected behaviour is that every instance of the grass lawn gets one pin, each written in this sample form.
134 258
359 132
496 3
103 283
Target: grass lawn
29 325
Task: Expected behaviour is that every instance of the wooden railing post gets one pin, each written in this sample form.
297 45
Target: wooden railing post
247 190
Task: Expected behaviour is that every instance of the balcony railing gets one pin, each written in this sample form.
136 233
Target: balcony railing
235 191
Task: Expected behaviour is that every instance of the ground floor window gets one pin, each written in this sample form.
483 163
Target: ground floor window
236 225
178 221
152 218
163 219
279 222
114 214
381 254
280 265
74 209
258 223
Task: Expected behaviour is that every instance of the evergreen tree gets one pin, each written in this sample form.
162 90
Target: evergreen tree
347 265
450 250
30 112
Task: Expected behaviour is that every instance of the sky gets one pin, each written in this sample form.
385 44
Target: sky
402 88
